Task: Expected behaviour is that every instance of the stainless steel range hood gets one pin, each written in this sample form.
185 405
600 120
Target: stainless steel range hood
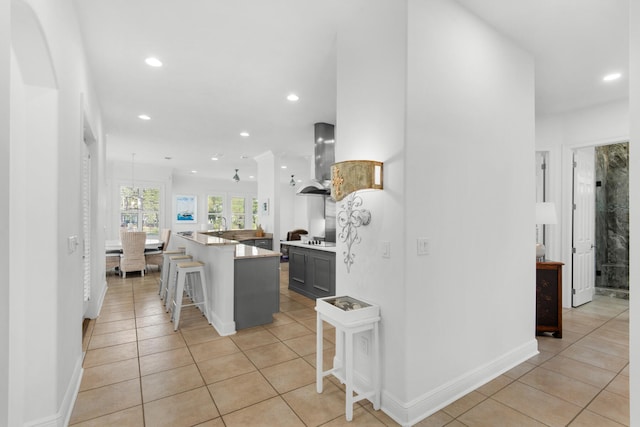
325 155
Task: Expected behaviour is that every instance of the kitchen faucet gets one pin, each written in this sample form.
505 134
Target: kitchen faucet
223 220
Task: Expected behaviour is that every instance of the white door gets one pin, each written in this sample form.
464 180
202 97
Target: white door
583 226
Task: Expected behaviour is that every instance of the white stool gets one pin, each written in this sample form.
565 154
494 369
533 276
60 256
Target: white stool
184 270
164 274
169 287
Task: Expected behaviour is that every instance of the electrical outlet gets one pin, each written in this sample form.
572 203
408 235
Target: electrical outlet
424 246
385 249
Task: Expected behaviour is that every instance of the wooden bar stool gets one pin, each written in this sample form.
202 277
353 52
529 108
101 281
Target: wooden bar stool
184 270
165 270
170 286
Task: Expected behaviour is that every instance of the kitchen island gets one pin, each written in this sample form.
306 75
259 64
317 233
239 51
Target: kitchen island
243 282
312 268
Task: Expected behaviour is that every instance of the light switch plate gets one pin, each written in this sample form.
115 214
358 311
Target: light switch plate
72 243
424 246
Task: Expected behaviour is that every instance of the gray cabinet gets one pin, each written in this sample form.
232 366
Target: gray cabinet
264 244
259 243
256 291
312 272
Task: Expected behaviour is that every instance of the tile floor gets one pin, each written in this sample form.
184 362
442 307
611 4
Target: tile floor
138 372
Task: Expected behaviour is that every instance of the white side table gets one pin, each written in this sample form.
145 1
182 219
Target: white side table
349 316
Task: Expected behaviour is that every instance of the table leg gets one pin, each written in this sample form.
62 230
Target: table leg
376 367
319 367
348 371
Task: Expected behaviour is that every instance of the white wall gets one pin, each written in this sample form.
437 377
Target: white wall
453 173
203 187
470 190
294 211
370 125
50 91
634 213
5 244
268 194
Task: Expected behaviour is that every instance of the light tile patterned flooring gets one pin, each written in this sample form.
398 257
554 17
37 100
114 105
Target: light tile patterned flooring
139 372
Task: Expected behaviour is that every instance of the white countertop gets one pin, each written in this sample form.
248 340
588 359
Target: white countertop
241 250
206 240
248 251
299 244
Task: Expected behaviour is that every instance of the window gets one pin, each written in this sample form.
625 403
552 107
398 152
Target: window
215 212
232 212
237 213
140 209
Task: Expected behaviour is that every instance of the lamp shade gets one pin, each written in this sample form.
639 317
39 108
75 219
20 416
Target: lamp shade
546 213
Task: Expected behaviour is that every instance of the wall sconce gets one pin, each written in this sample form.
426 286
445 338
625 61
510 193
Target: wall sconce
236 178
292 182
354 175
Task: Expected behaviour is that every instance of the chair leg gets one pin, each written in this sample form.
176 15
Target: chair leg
177 299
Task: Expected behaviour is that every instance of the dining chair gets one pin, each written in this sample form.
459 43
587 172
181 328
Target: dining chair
132 257
154 256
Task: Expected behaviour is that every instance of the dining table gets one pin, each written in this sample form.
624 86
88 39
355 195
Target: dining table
115 246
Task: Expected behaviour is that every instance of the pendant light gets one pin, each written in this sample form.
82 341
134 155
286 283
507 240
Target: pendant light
236 178
292 182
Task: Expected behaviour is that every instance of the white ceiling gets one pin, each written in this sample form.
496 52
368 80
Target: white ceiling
229 65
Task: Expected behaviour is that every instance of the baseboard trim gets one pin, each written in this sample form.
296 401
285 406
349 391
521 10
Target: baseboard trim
410 413
223 328
94 309
62 418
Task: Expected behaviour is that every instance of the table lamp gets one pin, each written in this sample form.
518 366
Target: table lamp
545 214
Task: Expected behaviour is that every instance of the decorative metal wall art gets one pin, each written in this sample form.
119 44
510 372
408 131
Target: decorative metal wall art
351 217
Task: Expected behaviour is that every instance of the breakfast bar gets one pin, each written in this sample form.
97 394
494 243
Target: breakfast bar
242 280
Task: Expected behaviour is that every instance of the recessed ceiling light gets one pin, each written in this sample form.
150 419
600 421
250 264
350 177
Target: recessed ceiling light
612 76
293 97
144 117
194 171
251 176
214 158
283 167
244 134
153 62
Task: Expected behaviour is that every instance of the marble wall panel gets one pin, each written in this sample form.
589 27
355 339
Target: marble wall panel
612 218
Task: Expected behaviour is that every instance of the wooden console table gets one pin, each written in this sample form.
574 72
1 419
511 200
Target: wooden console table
549 298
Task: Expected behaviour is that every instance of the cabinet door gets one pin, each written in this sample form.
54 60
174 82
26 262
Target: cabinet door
297 267
549 298
263 243
322 274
